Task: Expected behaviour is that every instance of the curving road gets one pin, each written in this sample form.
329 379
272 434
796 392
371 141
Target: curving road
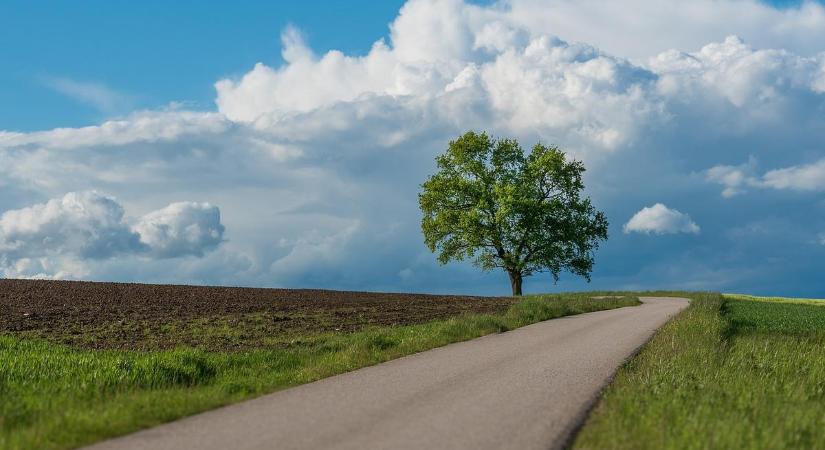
527 388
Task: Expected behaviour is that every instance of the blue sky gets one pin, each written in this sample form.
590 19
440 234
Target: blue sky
157 51
282 143
154 52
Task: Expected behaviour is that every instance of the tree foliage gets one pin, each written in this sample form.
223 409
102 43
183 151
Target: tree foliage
524 213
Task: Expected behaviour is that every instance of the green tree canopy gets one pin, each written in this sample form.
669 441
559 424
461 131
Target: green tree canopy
524 213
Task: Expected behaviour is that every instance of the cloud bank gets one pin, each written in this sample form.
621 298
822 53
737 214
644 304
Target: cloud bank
316 163
87 225
91 226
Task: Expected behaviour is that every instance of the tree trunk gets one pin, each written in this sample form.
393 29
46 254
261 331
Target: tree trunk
515 283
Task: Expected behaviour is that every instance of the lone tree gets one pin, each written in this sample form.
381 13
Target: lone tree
523 213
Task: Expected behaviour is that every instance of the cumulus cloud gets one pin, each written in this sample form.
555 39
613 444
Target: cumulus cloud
180 229
738 88
461 62
86 224
641 28
493 67
316 163
659 219
48 237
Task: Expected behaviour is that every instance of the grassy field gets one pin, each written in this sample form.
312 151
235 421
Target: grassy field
729 372
58 396
807 301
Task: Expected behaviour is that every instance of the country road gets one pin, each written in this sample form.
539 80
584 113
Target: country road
527 389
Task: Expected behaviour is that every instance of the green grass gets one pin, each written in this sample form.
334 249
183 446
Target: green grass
723 374
779 318
807 301
55 396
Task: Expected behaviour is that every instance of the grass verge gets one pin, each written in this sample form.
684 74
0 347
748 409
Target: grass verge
56 396
725 373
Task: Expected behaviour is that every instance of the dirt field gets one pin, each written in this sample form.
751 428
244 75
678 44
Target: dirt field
145 317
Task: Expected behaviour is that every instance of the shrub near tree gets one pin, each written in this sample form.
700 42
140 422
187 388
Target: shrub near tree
504 208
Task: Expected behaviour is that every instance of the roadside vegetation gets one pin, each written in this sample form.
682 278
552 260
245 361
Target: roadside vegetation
728 372
58 396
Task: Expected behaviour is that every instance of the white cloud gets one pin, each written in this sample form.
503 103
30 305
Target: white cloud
735 179
659 219
52 239
97 95
316 163
809 177
641 28
305 82
736 88
495 67
538 84
181 229
85 224
806 177
141 127
52 267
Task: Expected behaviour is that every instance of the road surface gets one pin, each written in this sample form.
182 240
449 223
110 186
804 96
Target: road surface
527 388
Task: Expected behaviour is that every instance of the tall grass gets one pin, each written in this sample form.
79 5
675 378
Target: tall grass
723 374
54 396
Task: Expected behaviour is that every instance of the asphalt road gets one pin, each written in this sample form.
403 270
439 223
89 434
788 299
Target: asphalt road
524 389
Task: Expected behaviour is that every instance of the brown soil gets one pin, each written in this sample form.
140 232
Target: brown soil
146 316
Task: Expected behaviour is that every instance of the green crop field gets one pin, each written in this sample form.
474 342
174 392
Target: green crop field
779 318
807 301
729 372
59 396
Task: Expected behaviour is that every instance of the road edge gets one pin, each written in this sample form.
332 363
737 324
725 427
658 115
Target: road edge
575 428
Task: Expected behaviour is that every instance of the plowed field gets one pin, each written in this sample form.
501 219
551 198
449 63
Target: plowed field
146 316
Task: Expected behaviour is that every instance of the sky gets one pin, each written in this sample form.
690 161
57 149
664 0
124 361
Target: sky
283 144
